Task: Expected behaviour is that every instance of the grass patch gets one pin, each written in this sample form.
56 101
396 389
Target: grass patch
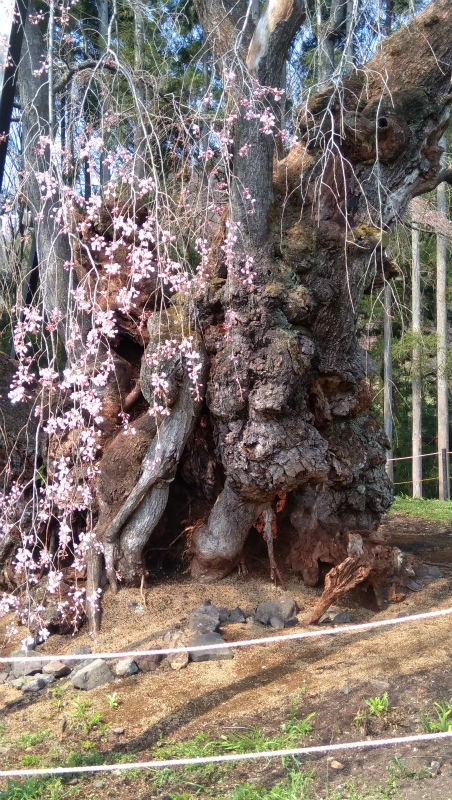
433 510
295 787
32 739
37 789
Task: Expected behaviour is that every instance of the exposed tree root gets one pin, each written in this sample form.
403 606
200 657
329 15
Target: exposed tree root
218 544
275 574
125 534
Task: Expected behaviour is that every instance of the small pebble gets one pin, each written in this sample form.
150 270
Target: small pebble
414 586
345 690
98 784
118 731
336 764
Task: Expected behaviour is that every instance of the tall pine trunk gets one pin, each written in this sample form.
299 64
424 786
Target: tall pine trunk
387 372
416 379
441 333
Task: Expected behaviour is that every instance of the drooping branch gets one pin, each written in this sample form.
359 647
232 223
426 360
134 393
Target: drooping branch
75 69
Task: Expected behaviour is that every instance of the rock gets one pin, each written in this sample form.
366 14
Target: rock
276 622
57 668
380 686
435 767
292 622
435 572
33 685
345 690
414 586
174 635
98 784
4 750
136 608
126 667
237 615
176 638
18 683
30 665
209 655
342 619
207 607
402 614
148 663
3 677
73 782
203 623
288 607
84 650
224 614
336 617
336 764
118 731
180 660
284 609
421 572
96 673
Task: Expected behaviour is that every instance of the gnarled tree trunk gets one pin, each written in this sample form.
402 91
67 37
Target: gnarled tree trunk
284 394
291 410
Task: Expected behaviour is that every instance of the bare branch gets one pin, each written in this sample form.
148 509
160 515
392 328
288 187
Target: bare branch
90 63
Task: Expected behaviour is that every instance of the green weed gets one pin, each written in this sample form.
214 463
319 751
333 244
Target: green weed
30 760
379 705
83 715
295 729
443 723
360 719
113 700
295 787
251 741
58 696
32 739
200 745
37 789
397 767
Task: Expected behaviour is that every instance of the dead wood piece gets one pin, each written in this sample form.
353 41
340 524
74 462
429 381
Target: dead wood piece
338 581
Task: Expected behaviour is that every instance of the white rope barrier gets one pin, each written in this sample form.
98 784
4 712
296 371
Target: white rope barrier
421 455
363 626
185 762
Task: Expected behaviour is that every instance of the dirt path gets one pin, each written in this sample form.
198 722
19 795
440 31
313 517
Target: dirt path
411 662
